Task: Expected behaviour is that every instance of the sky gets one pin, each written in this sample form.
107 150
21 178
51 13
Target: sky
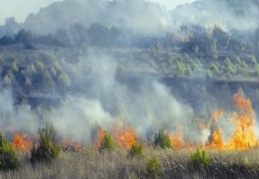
20 9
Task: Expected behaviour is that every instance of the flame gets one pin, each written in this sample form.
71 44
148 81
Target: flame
21 142
217 114
177 141
125 136
217 140
245 134
243 118
70 144
100 136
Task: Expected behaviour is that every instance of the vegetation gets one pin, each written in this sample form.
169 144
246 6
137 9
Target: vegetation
48 149
154 169
162 140
107 144
199 159
8 156
135 150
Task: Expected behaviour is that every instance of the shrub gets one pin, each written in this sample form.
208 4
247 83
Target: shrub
154 169
47 149
209 74
199 159
252 59
214 68
8 156
107 143
135 150
181 68
162 140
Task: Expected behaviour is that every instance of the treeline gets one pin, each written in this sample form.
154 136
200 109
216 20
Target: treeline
39 72
76 35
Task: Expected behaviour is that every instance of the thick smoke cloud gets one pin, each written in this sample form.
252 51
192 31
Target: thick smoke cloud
103 103
225 14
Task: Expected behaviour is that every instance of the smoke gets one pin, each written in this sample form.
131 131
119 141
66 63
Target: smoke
24 8
103 101
227 15
100 96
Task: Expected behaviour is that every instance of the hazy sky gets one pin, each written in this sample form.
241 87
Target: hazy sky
20 9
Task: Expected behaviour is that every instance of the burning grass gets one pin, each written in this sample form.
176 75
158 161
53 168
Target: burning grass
218 157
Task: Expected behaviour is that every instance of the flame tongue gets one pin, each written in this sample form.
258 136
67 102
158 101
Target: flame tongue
21 142
125 137
100 137
177 141
244 136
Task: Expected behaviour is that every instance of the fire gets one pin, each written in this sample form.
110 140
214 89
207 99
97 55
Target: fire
217 140
217 114
125 137
243 118
70 144
21 142
100 136
245 134
177 141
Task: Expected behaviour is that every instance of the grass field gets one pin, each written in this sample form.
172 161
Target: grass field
90 163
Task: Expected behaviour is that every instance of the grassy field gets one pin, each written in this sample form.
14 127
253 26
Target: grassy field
115 164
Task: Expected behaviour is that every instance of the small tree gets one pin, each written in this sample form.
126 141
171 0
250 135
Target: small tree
107 143
47 149
154 169
162 140
8 156
135 150
199 159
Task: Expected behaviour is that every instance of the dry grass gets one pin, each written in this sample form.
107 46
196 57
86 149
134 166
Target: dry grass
115 164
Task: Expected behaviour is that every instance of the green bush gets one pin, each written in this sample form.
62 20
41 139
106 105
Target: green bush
154 169
8 156
209 74
214 68
107 143
162 140
199 159
135 150
181 68
48 149
230 67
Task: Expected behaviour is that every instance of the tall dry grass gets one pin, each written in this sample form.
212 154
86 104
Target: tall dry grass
115 164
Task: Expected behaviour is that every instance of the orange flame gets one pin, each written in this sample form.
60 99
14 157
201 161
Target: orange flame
70 144
217 140
177 141
21 142
217 114
100 137
244 136
125 137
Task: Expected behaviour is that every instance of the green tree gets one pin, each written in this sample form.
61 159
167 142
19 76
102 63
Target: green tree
135 150
64 80
230 67
8 156
154 170
107 143
181 68
162 140
214 68
48 148
199 159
